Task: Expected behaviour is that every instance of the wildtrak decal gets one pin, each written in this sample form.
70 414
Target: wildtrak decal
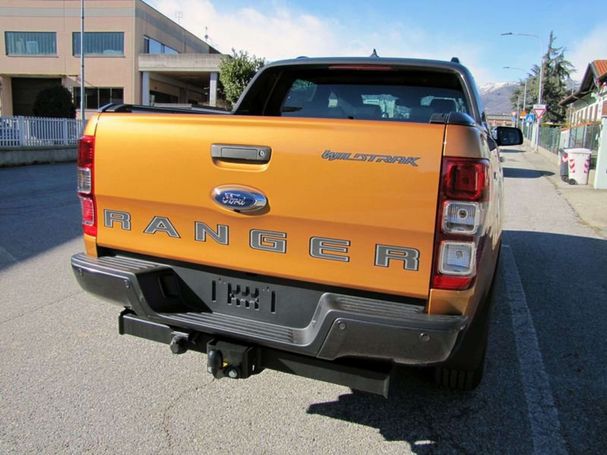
370 158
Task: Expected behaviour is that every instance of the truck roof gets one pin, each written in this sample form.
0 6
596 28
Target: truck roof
414 63
408 62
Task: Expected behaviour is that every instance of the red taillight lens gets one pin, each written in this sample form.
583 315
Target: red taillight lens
86 151
454 283
465 179
89 221
459 234
86 187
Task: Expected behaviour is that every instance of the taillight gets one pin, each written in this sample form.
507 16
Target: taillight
86 183
464 179
463 194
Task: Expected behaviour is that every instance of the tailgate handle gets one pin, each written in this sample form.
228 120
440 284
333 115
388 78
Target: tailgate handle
248 153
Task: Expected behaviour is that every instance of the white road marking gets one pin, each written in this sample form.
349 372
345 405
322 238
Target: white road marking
541 410
5 256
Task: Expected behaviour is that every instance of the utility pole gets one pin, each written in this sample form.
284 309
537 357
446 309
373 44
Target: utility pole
539 91
82 95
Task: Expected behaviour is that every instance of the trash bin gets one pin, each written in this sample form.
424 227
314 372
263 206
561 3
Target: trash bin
564 165
579 165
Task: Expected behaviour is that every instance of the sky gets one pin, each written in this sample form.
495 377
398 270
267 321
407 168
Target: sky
470 30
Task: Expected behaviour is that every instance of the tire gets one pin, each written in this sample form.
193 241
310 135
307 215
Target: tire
464 370
460 380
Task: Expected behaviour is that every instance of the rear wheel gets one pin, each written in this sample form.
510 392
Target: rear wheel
462 379
464 370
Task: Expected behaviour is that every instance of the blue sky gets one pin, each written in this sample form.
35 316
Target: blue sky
277 29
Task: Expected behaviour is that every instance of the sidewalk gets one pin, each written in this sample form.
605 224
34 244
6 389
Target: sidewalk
589 204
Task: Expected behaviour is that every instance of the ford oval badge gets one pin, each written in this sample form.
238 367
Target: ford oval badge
239 198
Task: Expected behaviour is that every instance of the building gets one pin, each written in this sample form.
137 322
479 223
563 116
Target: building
589 103
494 120
133 54
588 120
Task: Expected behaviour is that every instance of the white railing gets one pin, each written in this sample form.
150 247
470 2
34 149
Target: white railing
38 131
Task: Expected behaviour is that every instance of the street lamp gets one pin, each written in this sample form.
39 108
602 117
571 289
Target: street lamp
539 90
531 35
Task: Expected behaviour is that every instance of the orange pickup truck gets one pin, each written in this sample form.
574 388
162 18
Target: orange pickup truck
343 219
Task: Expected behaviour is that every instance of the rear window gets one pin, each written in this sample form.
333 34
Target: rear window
367 94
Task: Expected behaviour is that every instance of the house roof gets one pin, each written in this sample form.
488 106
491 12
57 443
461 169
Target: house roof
595 75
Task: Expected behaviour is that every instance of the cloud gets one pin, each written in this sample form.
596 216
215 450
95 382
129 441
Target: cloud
278 31
591 47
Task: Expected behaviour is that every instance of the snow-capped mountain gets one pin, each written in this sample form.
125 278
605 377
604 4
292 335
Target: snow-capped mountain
492 86
496 97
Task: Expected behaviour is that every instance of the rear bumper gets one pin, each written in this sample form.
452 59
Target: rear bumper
336 325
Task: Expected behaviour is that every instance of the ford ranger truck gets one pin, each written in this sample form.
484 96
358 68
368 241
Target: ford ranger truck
342 220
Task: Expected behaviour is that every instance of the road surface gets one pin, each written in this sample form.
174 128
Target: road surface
69 383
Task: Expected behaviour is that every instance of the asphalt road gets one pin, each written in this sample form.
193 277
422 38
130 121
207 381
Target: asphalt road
69 383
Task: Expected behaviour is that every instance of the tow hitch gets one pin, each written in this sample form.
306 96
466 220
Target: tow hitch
232 360
237 361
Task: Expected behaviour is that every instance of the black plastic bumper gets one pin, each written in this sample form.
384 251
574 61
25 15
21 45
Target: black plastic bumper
338 325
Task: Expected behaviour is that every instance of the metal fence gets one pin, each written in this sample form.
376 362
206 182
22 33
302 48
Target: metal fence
584 136
550 137
38 131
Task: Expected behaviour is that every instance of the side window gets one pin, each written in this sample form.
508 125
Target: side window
443 105
300 94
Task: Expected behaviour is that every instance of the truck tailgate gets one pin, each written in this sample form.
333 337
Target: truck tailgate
345 180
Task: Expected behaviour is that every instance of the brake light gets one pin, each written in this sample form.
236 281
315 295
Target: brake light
86 183
464 179
463 192
362 67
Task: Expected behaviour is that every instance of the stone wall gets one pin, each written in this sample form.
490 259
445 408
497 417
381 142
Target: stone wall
19 156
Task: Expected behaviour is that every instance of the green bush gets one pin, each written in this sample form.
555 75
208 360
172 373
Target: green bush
236 71
54 102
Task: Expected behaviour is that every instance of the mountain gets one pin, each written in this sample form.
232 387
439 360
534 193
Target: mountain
496 97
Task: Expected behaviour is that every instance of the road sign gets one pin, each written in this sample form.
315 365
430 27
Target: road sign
530 118
539 110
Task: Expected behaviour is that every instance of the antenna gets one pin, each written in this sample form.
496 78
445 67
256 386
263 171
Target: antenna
179 16
374 53
206 33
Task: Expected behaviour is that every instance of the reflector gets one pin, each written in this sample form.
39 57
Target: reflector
456 258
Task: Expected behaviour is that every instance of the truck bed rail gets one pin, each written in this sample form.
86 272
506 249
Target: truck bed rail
137 108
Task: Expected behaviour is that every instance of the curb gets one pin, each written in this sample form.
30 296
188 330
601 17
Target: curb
34 155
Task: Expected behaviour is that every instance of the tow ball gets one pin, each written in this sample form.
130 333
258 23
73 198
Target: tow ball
232 360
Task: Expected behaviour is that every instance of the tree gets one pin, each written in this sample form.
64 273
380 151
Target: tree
54 102
236 71
557 71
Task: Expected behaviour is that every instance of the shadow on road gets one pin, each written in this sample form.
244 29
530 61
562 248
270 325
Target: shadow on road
507 150
39 210
517 173
432 419
565 283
